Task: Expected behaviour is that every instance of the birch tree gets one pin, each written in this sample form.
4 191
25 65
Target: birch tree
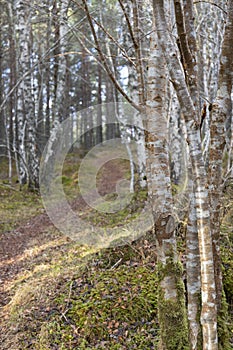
221 111
134 46
184 82
61 64
28 162
179 54
184 79
171 303
2 117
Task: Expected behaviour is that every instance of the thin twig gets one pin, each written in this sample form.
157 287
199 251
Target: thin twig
63 314
104 61
128 24
114 41
116 264
211 3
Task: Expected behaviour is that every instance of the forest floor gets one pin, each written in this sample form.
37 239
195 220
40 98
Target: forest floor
19 247
56 294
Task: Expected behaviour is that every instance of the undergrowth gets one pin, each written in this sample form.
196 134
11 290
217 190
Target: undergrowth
16 206
75 297
87 302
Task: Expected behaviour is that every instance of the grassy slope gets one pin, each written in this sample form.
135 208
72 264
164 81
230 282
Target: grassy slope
68 296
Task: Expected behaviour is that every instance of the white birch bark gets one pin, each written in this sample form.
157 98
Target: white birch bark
62 64
58 108
159 190
221 111
22 67
28 158
136 81
177 143
209 37
191 116
193 272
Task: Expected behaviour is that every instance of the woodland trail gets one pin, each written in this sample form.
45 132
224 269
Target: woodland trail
15 247
26 246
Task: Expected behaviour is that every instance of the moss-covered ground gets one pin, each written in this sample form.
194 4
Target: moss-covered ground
60 295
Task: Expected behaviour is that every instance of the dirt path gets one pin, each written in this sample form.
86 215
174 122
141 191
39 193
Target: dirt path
16 247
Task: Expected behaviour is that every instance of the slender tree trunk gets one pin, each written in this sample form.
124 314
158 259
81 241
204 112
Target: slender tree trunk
221 111
47 80
12 82
138 51
2 116
40 130
13 124
28 160
86 100
136 80
171 303
61 63
22 52
177 144
110 127
191 116
193 271
99 129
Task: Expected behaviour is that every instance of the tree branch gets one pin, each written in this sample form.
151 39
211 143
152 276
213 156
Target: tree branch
128 24
103 59
211 3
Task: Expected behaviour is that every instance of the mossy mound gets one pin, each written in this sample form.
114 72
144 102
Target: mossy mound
107 310
86 302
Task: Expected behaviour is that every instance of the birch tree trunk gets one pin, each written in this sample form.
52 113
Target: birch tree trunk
171 304
60 75
61 69
22 66
28 157
193 271
221 111
136 79
177 144
40 131
99 129
191 115
2 114
48 78
13 127
209 37
180 175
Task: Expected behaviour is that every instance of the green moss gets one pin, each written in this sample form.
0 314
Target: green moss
225 328
227 270
112 309
125 215
172 312
17 206
224 332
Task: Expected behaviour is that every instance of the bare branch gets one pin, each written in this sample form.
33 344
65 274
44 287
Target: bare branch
114 41
139 67
104 61
128 24
211 3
